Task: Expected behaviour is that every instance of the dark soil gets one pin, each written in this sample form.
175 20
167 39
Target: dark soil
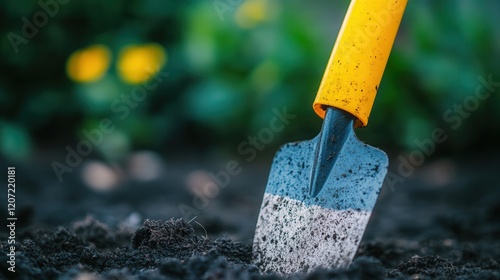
441 223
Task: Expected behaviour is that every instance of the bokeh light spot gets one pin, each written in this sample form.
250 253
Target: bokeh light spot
99 176
139 63
89 64
251 13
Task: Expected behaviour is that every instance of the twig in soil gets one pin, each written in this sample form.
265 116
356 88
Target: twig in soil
206 233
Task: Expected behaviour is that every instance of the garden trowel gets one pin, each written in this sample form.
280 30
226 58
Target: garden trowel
320 193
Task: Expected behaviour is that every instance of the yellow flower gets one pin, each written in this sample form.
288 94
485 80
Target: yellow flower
89 64
139 63
251 13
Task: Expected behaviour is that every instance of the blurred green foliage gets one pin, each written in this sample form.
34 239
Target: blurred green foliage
227 71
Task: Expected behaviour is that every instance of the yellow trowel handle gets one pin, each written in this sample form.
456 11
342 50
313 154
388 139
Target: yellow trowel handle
358 59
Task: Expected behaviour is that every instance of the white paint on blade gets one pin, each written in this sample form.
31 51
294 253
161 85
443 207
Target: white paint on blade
292 237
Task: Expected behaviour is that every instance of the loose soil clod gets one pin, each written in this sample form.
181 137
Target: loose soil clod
171 250
419 231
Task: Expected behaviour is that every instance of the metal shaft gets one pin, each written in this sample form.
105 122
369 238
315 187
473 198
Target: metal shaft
336 127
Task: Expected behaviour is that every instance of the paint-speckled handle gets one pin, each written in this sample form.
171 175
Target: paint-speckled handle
359 57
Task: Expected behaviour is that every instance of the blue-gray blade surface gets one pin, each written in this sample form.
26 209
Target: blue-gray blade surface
299 232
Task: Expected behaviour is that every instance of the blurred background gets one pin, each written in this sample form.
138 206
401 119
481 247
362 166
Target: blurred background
228 66
185 83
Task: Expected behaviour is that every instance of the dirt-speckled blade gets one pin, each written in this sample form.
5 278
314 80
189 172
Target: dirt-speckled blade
299 232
